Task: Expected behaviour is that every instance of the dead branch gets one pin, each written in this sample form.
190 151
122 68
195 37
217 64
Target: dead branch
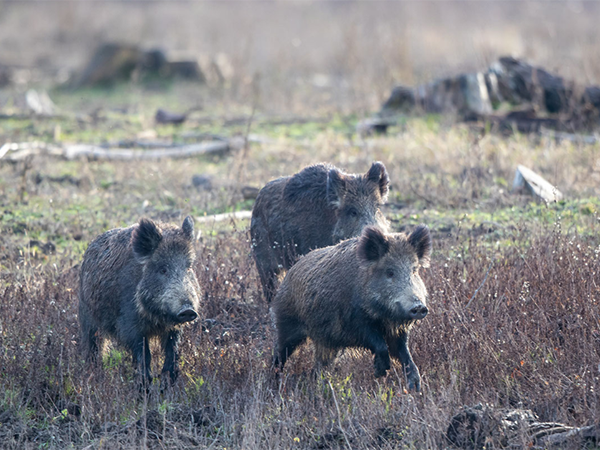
237 215
18 151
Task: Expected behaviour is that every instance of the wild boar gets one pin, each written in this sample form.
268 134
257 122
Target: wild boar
317 207
363 292
138 283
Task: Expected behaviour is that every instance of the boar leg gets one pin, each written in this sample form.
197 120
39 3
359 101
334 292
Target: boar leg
267 267
265 256
142 359
399 350
170 344
375 342
291 334
89 334
90 343
268 275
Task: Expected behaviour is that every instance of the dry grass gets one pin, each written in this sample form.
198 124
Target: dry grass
529 337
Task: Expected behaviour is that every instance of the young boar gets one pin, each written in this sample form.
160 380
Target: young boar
364 292
137 283
315 208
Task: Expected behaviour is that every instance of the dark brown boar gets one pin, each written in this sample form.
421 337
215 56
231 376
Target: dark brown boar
363 292
317 207
138 283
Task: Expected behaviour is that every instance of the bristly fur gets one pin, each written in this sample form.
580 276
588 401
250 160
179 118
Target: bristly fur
420 239
308 184
372 244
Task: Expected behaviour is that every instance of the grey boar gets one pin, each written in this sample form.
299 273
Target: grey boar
317 207
364 292
138 283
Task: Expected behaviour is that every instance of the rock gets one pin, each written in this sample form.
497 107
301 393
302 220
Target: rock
508 80
109 64
163 116
249 192
478 427
187 70
40 103
520 82
117 62
475 93
374 125
202 182
535 184
402 99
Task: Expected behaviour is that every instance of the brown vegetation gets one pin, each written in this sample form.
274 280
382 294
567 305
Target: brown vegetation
529 337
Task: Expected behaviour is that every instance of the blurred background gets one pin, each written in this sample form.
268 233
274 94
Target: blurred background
289 56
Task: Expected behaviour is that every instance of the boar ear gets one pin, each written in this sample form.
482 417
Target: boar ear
336 185
378 174
145 238
188 228
373 244
420 239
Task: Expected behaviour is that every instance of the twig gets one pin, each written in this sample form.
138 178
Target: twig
339 415
481 285
215 440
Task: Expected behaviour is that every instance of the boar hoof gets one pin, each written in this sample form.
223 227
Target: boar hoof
167 380
382 365
413 379
414 384
144 385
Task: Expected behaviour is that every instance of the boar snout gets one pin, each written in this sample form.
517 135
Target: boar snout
187 314
418 312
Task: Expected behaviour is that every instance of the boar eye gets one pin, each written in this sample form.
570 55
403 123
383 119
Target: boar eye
353 212
415 269
390 273
163 270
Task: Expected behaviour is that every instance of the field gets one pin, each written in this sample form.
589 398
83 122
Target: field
514 318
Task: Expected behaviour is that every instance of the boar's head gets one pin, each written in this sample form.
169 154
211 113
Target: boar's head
168 292
390 263
357 199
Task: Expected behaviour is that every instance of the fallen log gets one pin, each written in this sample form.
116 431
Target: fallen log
19 151
185 151
236 215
